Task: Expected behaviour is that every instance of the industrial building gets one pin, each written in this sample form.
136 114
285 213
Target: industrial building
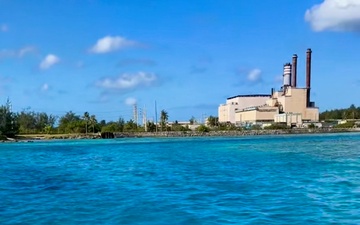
290 104
233 104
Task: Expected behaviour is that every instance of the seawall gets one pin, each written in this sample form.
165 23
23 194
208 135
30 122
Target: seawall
232 133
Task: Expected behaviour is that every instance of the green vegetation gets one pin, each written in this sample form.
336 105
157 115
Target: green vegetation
9 125
349 124
164 116
177 127
203 128
277 126
192 120
28 122
312 126
350 113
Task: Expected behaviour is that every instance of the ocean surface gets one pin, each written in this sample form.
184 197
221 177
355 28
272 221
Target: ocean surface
302 179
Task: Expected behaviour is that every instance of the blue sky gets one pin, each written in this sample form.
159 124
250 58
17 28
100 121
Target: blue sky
188 56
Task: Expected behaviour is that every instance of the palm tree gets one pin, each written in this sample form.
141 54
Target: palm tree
164 116
93 122
86 117
212 121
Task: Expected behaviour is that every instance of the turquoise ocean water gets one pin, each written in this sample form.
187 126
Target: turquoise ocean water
303 179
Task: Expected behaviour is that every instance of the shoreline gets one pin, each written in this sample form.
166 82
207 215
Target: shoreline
237 133
231 133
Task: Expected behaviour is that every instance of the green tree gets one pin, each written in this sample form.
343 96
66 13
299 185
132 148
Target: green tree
349 113
151 127
8 121
121 124
26 120
114 126
86 118
69 123
130 126
110 127
42 120
212 121
203 128
93 122
349 124
192 120
177 127
164 116
48 129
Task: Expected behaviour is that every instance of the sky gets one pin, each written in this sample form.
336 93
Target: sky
104 56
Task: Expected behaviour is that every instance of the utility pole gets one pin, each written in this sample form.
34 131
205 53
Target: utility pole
156 129
144 119
135 114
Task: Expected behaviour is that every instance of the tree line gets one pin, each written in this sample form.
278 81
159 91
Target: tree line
352 112
31 122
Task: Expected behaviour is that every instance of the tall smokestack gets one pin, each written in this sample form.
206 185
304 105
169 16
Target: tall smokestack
308 76
287 75
294 70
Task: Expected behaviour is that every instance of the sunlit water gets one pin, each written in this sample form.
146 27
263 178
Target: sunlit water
304 179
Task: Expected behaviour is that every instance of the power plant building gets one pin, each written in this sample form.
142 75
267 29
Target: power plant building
290 104
227 111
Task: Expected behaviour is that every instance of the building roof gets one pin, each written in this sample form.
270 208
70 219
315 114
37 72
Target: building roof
244 96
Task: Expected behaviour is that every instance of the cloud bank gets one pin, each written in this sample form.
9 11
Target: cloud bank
335 15
127 81
110 44
49 61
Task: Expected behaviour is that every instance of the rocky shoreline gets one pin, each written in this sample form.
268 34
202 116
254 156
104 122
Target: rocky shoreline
31 138
234 133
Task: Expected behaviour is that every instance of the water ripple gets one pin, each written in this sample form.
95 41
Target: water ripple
249 180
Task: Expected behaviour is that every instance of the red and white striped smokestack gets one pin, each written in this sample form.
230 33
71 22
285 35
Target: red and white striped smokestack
294 70
308 75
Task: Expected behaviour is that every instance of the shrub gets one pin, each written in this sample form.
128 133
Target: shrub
349 124
203 128
277 126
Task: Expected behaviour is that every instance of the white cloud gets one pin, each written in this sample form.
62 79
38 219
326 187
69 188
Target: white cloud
25 50
45 87
130 101
9 53
110 44
127 81
4 28
49 61
254 76
335 15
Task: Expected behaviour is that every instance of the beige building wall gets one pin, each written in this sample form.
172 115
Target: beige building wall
289 118
226 112
312 114
261 114
294 101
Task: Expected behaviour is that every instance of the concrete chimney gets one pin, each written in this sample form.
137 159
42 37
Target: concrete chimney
308 76
294 70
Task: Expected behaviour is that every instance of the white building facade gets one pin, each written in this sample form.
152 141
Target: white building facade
227 111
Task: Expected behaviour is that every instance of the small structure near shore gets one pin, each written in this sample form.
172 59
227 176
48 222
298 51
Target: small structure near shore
107 135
